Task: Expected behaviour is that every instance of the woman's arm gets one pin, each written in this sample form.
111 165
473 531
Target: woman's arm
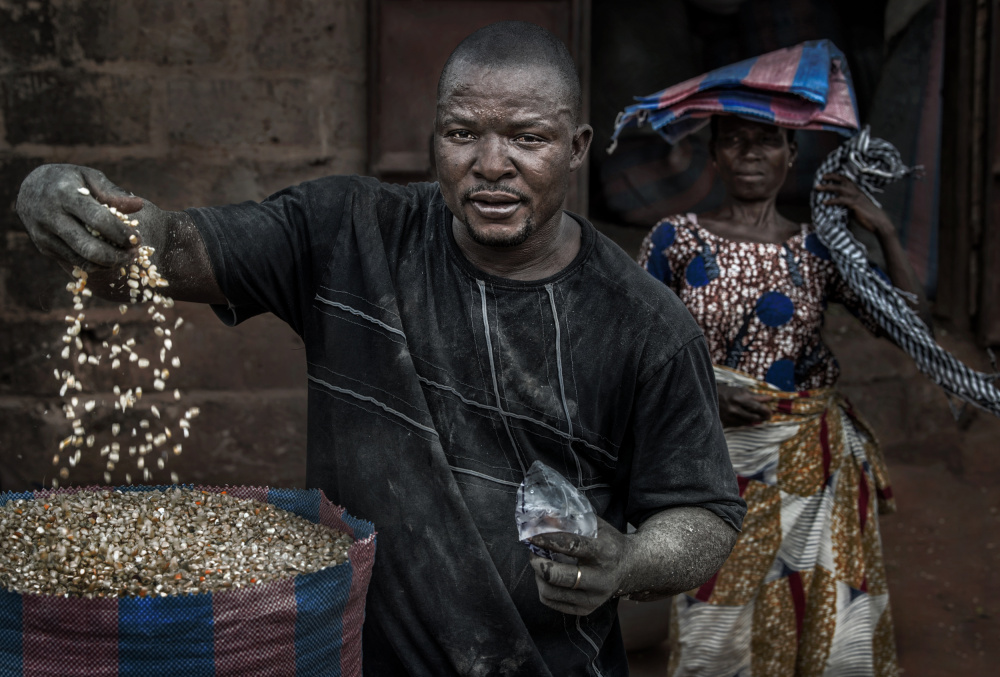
847 194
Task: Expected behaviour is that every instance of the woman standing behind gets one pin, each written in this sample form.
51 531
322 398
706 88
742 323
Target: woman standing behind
804 591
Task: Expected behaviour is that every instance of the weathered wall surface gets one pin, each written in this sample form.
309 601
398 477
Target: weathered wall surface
186 104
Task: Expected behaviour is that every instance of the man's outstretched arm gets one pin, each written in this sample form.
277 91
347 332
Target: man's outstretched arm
673 551
58 203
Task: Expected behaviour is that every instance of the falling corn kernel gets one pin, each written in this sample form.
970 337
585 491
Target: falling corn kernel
143 281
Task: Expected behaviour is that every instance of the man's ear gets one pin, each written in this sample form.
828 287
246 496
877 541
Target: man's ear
582 137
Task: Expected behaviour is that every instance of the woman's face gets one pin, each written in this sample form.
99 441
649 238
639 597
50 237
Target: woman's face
752 158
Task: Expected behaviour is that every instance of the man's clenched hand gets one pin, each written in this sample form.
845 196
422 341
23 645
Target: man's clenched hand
674 550
58 203
581 588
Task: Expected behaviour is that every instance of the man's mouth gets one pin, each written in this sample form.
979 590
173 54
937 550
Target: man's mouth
494 204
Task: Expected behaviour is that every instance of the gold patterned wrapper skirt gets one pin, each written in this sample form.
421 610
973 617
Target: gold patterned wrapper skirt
804 592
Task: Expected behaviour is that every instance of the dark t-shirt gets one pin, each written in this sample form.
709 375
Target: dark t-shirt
433 386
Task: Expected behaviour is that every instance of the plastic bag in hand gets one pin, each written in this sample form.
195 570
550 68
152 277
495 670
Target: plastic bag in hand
547 502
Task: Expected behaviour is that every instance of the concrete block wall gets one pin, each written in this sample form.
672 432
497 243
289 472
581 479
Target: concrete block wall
185 103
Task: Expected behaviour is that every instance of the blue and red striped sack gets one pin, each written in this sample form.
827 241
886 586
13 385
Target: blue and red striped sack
803 87
307 626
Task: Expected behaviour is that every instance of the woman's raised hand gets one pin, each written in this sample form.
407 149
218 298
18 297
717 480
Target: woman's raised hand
846 193
740 407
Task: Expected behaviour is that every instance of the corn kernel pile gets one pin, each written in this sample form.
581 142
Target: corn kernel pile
156 543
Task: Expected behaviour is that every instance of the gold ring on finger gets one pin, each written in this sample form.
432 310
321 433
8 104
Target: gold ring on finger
577 581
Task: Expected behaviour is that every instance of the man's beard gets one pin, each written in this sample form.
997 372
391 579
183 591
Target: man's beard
507 239
502 239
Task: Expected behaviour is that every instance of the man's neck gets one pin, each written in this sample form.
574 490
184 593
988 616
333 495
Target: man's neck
542 255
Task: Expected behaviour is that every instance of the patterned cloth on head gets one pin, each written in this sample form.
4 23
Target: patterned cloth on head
760 304
804 591
803 87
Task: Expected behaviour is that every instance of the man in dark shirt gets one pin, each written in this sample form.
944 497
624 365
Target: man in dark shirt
455 333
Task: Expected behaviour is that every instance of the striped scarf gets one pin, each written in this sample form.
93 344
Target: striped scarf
872 163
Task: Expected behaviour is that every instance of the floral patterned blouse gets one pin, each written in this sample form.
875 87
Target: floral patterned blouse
760 304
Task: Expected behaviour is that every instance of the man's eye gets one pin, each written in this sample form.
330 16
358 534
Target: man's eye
461 134
528 138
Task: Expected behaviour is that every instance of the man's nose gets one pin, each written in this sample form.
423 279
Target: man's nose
493 161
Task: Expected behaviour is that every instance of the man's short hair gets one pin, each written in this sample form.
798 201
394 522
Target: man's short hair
516 44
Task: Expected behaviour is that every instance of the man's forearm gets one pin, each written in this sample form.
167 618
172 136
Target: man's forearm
674 551
179 256
182 258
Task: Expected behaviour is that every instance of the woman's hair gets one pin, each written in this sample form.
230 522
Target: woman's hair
713 125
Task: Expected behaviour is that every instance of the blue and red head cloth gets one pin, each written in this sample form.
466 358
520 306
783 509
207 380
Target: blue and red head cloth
307 626
803 87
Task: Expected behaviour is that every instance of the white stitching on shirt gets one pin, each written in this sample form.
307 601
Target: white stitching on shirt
521 417
377 403
355 311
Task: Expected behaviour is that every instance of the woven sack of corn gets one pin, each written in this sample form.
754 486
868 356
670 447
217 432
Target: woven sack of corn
224 592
